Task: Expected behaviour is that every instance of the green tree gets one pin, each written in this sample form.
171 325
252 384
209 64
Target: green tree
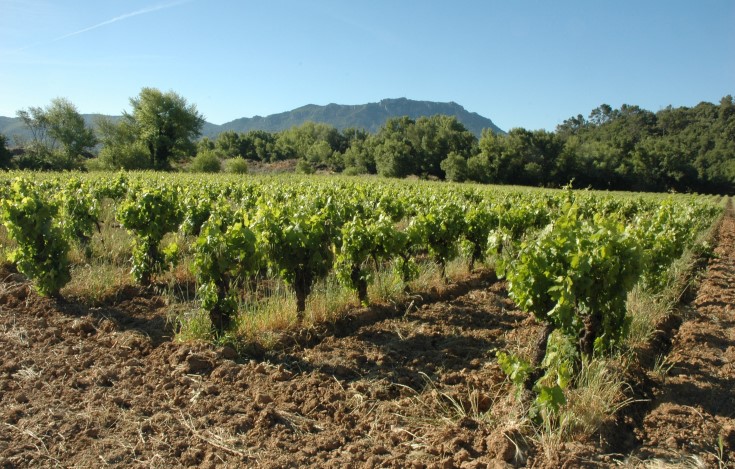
478 168
5 155
120 146
394 158
455 167
59 135
165 124
359 157
230 144
317 143
260 145
394 150
436 137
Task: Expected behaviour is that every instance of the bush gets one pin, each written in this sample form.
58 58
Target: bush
236 165
355 171
205 162
455 167
303 167
113 157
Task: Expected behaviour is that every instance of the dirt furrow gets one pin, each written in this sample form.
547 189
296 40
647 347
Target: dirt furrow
692 417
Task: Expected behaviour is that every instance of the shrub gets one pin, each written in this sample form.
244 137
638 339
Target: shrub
236 165
205 162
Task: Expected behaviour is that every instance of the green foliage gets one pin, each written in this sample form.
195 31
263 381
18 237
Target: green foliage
404 146
59 137
516 368
438 229
314 143
455 167
665 234
560 360
362 240
30 219
479 222
164 124
195 211
80 213
549 389
224 254
576 275
230 144
5 155
149 214
548 400
205 162
298 243
304 167
114 187
121 148
236 165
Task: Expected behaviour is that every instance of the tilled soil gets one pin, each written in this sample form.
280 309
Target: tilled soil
387 386
692 416
410 385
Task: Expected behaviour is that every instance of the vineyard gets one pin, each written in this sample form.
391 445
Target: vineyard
162 320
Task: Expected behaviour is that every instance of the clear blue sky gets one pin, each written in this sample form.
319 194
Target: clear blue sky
521 63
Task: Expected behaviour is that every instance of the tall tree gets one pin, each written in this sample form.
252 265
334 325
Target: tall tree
165 124
4 152
59 135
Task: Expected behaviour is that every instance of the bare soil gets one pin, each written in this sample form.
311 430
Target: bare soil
406 385
692 414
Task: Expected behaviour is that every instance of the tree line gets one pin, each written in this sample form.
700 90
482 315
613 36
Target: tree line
630 148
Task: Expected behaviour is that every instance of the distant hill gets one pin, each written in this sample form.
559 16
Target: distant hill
369 116
12 127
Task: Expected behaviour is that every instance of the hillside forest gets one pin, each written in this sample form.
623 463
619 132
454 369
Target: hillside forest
674 149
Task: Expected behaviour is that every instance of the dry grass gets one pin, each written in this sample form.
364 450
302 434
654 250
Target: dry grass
597 397
646 312
268 311
679 462
93 282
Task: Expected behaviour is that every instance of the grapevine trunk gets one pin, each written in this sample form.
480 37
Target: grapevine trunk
538 357
358 280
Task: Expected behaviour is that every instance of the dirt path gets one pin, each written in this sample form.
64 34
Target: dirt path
693 415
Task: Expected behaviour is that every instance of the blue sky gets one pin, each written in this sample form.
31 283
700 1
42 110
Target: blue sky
528 64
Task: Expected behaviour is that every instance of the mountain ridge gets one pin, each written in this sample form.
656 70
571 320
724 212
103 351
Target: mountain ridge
368 116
